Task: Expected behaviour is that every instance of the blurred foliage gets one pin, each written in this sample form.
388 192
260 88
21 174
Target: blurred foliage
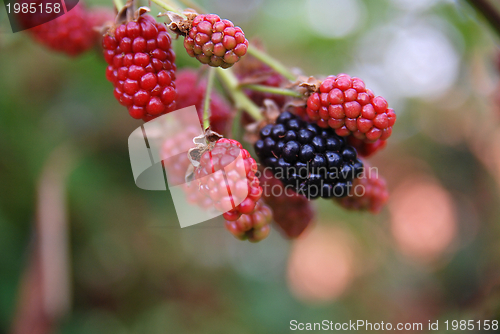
134 271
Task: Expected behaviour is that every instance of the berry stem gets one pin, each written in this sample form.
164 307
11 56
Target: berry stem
206 102
118 4
272 90
241 101
271 62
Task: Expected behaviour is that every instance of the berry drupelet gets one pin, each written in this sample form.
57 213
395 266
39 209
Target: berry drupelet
254 226
344 104
141 67
215 42
365 149
234 191
368 193
315 162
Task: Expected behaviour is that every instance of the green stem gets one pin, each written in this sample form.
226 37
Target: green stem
241 101
118 4
271 62
166 6
272 90
206 102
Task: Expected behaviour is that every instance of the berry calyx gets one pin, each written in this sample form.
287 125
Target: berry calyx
254 226
211 40
234 190
312 161
141 67
347 106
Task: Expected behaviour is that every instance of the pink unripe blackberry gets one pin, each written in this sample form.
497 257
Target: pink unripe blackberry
367 193
141 67
254 226
215 42
234 191
344 104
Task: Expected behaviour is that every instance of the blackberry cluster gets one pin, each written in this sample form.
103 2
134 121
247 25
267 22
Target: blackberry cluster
254 226
315 162
215 42
292 212
236 185
141 67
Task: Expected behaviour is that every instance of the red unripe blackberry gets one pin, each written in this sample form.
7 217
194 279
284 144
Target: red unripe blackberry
292 212
366 149
254 226
141 67
344 104
368 193
191 91
71 33
215 42
234 191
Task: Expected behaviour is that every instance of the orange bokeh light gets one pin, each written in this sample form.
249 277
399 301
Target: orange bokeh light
424 222
322 264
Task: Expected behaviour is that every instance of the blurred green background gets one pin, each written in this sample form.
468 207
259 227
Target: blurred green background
432 254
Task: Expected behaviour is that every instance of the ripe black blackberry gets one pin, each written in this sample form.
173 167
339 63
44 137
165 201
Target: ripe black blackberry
314 162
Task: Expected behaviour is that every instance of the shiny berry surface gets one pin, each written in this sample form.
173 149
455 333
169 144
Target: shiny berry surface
254 226
141 67
345 105
315 162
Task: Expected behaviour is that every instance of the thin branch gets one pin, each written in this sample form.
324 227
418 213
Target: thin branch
272 90
206 102
271 62
241 101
